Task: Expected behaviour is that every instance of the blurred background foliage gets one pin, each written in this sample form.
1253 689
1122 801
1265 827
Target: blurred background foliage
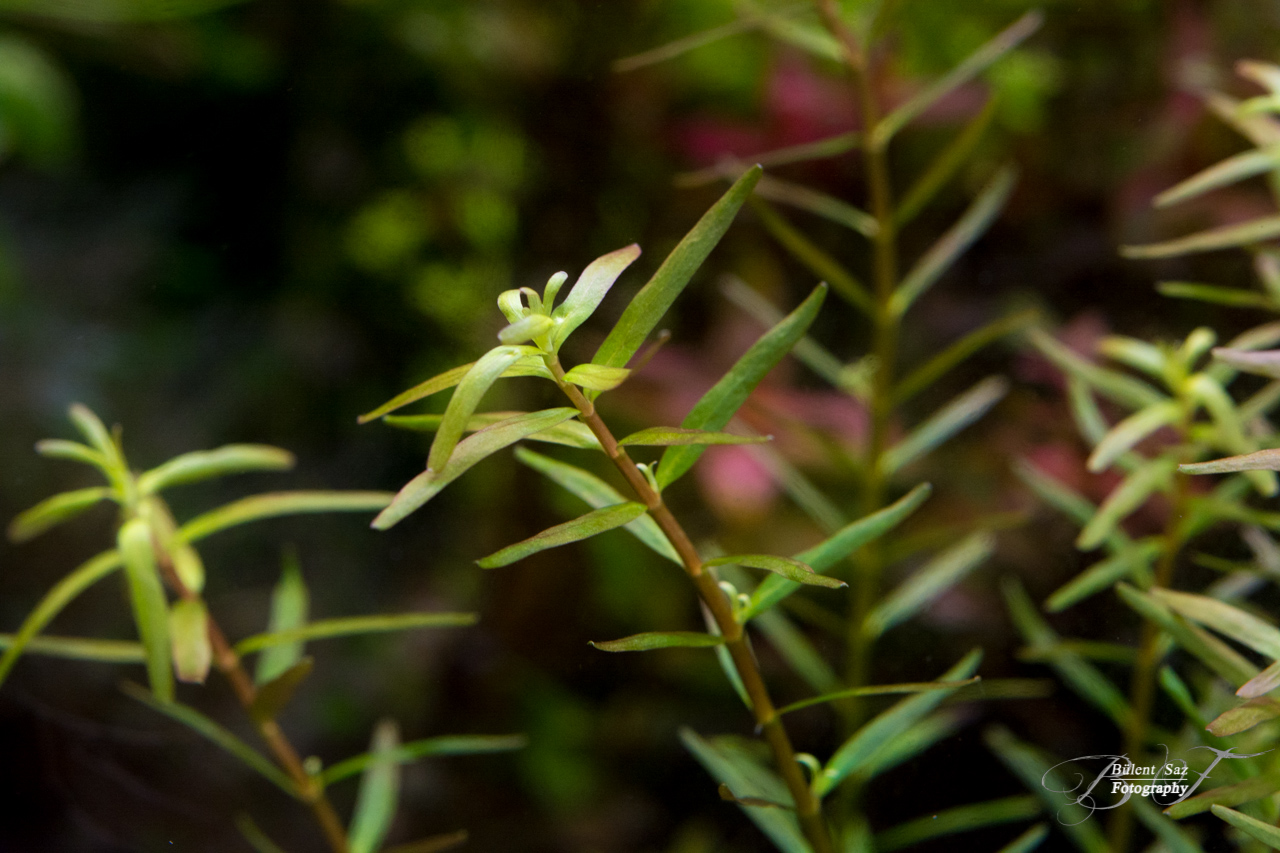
251 221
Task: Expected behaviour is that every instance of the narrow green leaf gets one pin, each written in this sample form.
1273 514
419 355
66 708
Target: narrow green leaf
693 41
1053 492
1133 429
1171 836
928 583
799 653
1261 684
571 433
81 648
916 740
1125 499
187 565
719 404
214 732
1227 795
434 844
672 436
150 608
273 504
1264 363
525 329
415 749
1089 649
812 257
470 451
1040 776
463 403
379 792
597 377
802 490
945 423
57 448
1081 676
63 593
1264 832
350 625
658 640
421 391
651 303
793 570
1225 237
1126 564
189 633
827 553
1232 297
808 36
1236 168
274 694
857 752
732 766
945 165
584 527
973 65
95 432
1027 841
1138 354
1261 460
598 494
204 464
877 690
253 834
818 203
1244 628
959 819
588 292
1123 389
51 512
975 221
1244 717
1211 651
820 149
290 608
932 370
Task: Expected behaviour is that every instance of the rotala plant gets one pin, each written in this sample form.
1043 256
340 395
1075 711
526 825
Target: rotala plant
1175 408
179 639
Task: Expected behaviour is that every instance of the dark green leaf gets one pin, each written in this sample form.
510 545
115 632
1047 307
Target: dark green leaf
945 165
959 819
929 372
672 436
794 647
826 554
719 404
62 594
598 494
274 694
379 792
1027 841
793 570
951 245
588 292
877 690
732 766
413 750
593 523
211 730
347 626
150 608
659 640
274 504
651 303
51 512
470 451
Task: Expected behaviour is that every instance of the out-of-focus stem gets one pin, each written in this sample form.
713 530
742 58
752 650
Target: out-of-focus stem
808 806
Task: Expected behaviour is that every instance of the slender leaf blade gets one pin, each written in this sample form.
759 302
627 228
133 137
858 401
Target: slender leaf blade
814 258
719 404
427 747
570 433
147 598
465 399
80 648
1244 628
584 527
205 464
1124 500
1232 297
379 792
1027 841
1254 712
1260 460
53 511
959 819
818 203
673 436
57 448
651 303
290 608
1264 832
929 583
1211 651
421 391
929 372
274 504
945 165
945 423
1125 564
1225 237
346 626
1133 429
589 291
786 567
1235 168
659 640
1227 795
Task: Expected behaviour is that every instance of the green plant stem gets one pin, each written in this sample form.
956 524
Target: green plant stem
1142 684
228 663
808 806
886 329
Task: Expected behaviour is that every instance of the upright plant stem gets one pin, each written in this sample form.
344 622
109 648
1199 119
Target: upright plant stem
885 331
808 806
231 667
1143 680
